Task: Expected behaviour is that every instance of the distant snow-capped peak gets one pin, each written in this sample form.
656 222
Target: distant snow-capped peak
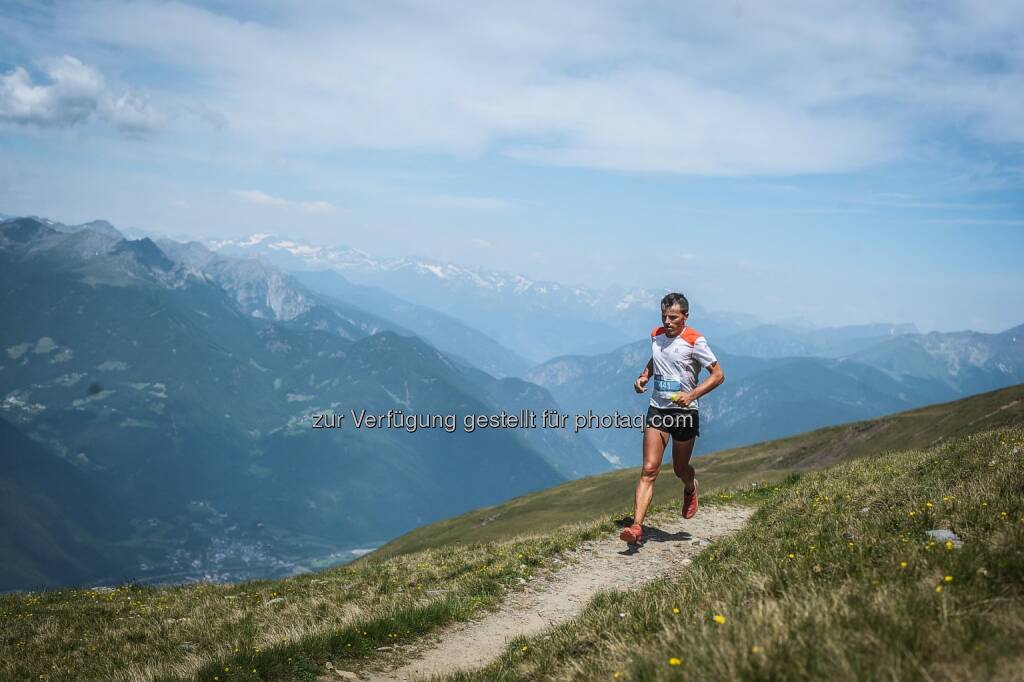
252 240
348 260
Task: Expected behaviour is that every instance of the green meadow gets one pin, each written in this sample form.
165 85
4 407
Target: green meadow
834 576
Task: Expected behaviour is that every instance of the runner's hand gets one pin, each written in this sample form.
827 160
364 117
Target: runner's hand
684 399
640 385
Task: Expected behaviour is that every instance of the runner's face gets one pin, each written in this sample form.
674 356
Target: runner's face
673 319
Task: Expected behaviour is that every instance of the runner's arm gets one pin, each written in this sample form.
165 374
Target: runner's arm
708 361
717 376
640 385
713 381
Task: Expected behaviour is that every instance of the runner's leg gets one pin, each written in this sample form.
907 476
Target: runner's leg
681 452
654 450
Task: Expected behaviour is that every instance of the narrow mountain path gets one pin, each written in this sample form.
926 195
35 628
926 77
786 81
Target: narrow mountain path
603 564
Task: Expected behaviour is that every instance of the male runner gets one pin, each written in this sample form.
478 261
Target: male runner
678 353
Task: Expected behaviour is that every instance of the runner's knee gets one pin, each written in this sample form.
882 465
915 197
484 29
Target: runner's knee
683 470
649 473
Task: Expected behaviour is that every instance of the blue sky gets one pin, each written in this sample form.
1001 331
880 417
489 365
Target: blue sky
843 164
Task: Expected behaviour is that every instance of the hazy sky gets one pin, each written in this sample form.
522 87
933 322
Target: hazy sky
860 163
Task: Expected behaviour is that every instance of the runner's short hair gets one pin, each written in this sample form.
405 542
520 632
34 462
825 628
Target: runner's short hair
675 299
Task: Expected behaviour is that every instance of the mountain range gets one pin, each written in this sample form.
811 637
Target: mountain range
765 398
538 319
157 396
783 377
181 385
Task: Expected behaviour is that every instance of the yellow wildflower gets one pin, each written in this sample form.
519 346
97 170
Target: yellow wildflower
948 578
674 661
719 618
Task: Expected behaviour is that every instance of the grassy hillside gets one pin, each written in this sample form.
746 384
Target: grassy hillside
833 577
588 499
267 629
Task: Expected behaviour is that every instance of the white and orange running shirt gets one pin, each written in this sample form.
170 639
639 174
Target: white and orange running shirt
677 363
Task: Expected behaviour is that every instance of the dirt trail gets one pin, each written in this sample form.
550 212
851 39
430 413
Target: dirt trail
603 564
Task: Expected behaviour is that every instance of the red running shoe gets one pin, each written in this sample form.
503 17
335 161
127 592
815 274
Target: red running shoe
633 534
690 501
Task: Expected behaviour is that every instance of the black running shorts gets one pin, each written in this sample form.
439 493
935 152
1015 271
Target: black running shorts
682 424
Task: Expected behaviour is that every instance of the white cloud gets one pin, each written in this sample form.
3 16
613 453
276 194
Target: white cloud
728 89
74 94
70 98
480 243
316 207
644 119
255 196
131 114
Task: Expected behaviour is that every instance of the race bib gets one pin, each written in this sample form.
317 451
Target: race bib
665 388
